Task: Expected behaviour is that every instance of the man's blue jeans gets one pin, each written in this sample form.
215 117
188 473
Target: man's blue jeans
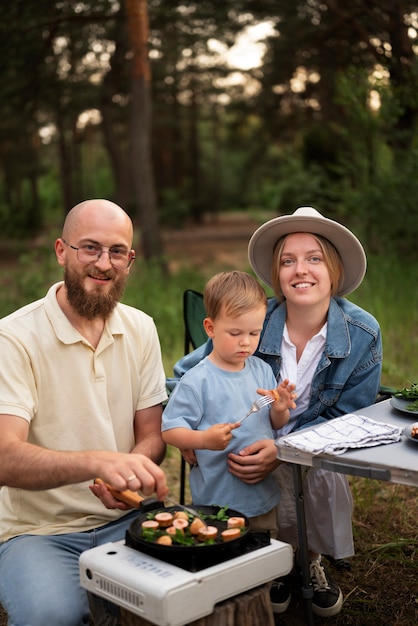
39 575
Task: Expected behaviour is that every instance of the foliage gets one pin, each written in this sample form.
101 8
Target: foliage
174 208
386 293
44 48
299 129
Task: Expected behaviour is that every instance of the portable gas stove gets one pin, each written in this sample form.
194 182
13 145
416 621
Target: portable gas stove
169 595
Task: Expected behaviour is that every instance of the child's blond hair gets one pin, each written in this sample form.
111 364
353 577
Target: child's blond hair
234 293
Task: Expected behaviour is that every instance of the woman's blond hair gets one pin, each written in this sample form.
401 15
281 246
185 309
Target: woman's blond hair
331 257
234 293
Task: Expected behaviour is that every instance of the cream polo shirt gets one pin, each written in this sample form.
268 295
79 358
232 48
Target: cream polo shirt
75 397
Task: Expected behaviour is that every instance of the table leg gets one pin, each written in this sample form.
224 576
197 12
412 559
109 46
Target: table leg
307 590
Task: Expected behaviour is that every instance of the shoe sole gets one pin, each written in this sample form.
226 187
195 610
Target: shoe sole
278 609
329 611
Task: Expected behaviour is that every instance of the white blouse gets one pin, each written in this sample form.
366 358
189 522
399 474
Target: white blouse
300 373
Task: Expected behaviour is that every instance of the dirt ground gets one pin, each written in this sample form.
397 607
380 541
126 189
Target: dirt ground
219 242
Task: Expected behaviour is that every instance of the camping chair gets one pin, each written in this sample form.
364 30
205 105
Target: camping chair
385 393
193 315
194 336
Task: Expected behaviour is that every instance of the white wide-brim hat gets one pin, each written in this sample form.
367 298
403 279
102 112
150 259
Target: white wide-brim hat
308 220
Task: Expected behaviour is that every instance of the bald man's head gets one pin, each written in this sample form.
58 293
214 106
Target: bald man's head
89 213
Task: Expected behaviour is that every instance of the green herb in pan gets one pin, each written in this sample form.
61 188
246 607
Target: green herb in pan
220 516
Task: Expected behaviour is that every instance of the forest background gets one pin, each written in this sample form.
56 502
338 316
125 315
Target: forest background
203 119
144 103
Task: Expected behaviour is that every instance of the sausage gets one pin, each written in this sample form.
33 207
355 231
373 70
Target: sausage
236 522
164 519
207 532
150 523
196 525
181 515
164 540
230 533
180 523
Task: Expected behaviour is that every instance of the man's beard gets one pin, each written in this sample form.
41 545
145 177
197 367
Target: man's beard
92 304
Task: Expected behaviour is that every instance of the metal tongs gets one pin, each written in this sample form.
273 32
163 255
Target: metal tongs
134 499
188 509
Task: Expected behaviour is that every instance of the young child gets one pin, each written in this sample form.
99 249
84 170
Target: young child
204 409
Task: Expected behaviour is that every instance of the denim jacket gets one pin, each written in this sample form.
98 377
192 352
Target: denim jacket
347 377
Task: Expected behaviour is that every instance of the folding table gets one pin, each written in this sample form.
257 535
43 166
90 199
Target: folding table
394 462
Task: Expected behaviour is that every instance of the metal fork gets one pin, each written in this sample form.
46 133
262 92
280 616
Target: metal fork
256 406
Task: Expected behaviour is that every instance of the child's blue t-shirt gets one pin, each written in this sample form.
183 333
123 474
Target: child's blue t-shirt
208 395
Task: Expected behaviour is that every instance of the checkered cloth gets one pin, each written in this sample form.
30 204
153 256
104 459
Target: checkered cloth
338 435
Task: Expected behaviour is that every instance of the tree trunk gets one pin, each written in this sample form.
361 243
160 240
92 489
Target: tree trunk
402 75
196 207
141 159
65 163
114 137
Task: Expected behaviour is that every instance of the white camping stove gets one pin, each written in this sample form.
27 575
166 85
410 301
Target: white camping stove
168 595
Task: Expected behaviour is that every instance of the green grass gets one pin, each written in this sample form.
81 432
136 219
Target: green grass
388 292
161 297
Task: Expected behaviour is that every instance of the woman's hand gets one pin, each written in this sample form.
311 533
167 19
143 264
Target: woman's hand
189 456
253 463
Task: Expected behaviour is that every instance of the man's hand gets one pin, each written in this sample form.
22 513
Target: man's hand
255 462
130 471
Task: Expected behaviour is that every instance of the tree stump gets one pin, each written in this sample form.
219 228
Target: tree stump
252 608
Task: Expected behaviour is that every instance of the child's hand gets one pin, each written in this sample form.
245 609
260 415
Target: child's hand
284 396
218 436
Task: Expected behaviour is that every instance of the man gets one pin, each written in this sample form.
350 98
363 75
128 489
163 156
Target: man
81 392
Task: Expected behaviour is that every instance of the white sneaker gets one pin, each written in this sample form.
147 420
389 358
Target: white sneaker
327 596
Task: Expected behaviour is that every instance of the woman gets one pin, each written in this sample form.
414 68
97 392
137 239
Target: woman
332 350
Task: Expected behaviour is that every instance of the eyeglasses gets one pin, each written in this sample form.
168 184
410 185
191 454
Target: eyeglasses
88 252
